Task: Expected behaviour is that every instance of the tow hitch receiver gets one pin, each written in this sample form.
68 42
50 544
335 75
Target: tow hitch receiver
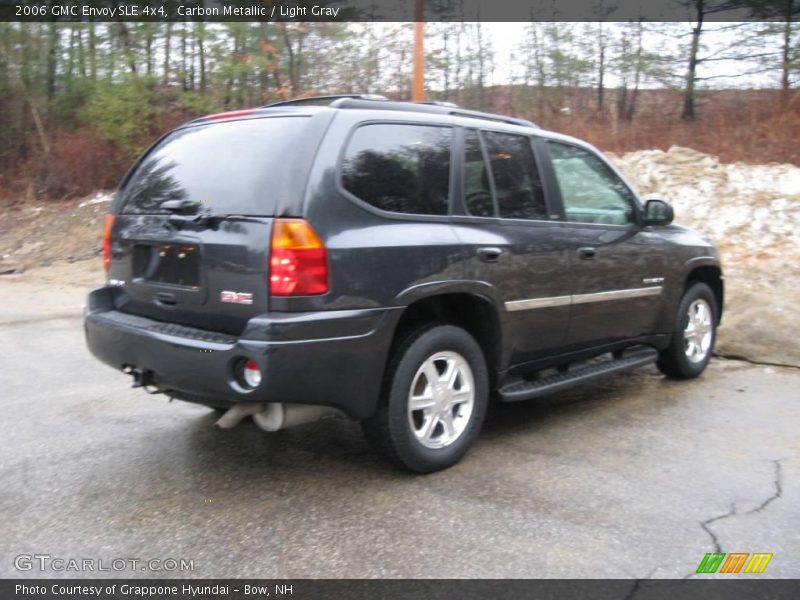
141 377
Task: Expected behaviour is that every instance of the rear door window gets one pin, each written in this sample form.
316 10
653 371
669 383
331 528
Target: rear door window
400 168
517 184
233 167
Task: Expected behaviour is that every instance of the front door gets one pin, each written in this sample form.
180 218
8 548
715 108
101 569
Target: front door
616 266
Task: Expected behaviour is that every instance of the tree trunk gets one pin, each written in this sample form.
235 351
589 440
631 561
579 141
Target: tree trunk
192 60
52 57
167 47
149 49
290 54
71 56
601 72
481 65
92 51
184 70
787 45
446 63
81 53
637 76
124 35
201 48
688 112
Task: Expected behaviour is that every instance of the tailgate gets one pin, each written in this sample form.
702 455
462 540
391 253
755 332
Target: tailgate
213 278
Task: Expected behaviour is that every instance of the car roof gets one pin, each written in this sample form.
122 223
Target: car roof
374 107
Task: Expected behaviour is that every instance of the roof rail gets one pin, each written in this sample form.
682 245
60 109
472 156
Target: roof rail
439 103
375 101
324 100
432 108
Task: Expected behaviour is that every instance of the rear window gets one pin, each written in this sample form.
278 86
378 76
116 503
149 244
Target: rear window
234 167
400 168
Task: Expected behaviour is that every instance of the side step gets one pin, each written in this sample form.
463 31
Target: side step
524 390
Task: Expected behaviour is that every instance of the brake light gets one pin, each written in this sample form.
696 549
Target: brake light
108 225
298 260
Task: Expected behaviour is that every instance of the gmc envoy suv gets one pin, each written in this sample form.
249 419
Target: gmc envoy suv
398 263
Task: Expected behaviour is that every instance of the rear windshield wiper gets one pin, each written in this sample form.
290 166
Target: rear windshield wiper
185 207
189 211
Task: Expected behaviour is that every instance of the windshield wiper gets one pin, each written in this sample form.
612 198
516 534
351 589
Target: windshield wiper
186 207
190 211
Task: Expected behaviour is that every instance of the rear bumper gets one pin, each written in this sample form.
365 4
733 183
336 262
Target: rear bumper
329 358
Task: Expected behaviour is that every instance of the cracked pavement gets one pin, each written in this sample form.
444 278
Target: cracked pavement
636 476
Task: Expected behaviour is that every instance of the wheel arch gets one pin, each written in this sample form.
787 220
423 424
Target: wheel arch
711 275
468 309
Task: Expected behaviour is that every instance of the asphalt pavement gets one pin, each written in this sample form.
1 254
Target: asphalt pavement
637 476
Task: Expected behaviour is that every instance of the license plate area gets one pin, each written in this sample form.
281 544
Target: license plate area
167 264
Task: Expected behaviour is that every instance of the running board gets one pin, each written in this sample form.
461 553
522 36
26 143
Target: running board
525 390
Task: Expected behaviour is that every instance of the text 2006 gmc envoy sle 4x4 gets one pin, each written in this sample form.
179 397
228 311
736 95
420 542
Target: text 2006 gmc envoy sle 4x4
394 262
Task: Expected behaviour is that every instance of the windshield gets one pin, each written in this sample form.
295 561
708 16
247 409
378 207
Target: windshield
233 167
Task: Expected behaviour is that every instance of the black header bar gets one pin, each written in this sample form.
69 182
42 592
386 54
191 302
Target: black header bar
379 10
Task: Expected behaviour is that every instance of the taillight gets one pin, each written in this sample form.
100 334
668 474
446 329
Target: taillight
108 224
298 261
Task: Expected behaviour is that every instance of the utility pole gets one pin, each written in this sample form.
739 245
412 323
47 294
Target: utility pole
418 86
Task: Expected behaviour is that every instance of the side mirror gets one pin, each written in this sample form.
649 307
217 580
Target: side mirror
658 212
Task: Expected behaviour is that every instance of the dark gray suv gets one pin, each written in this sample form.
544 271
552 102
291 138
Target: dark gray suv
397 263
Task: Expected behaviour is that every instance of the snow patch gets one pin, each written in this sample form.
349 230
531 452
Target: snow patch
752 206
101 197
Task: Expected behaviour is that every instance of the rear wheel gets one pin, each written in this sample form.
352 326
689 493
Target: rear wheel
694 334
434 401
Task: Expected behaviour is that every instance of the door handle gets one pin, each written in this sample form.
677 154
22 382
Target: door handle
587 253
489 254
164 299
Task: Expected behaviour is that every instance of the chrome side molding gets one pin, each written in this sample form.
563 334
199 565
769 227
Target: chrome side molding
551 301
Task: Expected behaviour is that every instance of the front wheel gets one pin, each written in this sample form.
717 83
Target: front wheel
434 401
695 333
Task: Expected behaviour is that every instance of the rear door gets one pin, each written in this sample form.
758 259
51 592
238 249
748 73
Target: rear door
616 266
206 267
513 241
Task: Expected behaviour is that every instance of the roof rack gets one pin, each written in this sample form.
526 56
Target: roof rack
375 101
325 100
427 107
439 103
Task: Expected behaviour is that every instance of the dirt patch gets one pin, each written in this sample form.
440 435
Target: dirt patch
35 235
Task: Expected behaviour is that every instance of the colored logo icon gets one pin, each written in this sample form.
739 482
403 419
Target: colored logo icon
736 562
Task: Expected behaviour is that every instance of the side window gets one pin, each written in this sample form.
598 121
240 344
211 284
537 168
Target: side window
400 168
517 184
590 190
477 191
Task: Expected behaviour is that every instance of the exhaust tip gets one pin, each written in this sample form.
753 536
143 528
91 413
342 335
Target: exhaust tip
234 415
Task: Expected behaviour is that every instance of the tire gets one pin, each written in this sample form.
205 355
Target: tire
692 345
426 439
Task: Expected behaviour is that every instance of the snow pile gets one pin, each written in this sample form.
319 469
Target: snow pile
101 197
752 212
754 207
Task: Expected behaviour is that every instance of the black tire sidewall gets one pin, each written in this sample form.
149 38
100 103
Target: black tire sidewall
676 352
408 450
